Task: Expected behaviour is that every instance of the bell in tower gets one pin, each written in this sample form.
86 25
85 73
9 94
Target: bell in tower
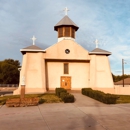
66 28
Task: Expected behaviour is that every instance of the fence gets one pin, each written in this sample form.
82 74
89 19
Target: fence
9 85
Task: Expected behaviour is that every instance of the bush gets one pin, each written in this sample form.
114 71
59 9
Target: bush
66 97
84 90
69 98
59 90
41 101
110 98
63 95
100 96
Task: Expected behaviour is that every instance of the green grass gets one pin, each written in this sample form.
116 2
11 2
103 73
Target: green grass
4 98
52 98
123 99
47 98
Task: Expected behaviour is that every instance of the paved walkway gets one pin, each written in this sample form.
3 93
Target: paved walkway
84 114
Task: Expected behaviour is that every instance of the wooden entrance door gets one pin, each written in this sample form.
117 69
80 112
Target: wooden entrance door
65 82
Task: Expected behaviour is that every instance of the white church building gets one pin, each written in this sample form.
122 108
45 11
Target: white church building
65 64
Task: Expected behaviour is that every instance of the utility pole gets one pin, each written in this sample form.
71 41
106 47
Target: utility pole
123 71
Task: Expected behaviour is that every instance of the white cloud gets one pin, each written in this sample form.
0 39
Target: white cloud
107 21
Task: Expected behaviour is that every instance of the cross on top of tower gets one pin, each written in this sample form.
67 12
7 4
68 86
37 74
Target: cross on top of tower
33 38
96 42
66 10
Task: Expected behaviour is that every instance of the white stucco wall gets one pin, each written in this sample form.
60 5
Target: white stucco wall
57 51
92 71
103 75
100 72
44 70
34 72
33 69
79 73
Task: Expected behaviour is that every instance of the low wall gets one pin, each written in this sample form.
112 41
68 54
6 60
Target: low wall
122 90
106 90
119 90
122 85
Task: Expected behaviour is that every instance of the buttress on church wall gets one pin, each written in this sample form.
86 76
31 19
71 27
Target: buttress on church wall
100 73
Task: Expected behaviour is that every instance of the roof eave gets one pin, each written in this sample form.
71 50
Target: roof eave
99 53
23 51
56 27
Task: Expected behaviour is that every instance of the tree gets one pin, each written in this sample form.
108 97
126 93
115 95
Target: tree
1 80
113 76
117 78
12 62
9 73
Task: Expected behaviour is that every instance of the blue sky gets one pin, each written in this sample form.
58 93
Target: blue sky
105 20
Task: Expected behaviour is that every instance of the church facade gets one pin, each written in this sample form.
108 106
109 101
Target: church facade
65 64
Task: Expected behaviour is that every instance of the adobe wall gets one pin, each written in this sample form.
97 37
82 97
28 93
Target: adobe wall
100 73
79 73
122 90
57 51
34 72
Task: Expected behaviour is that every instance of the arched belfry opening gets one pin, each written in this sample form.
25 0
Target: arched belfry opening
66 29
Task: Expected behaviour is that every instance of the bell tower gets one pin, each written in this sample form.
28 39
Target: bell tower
66 28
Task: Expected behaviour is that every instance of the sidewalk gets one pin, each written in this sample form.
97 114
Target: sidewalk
84 114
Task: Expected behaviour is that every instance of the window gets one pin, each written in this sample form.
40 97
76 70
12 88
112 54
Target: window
66 68
73 32
67 51
67 31
60 32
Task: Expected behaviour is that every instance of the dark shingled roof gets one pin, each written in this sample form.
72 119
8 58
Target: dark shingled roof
66 21
126 82
31 48
99 51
